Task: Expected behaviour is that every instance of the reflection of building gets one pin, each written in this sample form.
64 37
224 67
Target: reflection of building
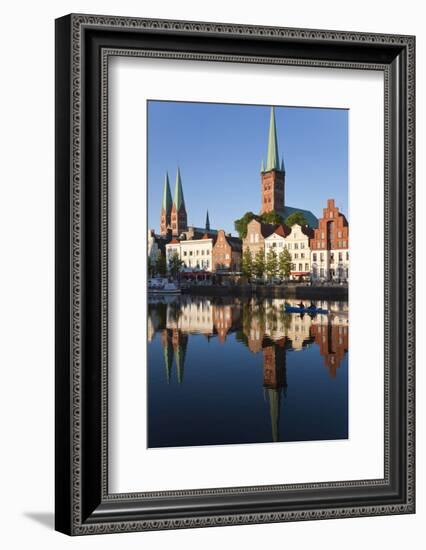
332 339
330 245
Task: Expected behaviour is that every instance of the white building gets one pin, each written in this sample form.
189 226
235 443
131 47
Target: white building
195 254
297 242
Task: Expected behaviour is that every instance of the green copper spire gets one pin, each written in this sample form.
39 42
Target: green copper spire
167 196
207 221
262 169
272 162
178 199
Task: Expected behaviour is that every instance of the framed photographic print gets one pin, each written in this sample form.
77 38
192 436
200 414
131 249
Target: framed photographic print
234 274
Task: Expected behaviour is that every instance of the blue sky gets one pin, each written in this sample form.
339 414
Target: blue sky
219 149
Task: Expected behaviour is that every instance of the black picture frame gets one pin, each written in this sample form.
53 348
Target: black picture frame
83 504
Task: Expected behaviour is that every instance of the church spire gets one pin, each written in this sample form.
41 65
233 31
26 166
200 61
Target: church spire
272 162
207 221
178 199
262 168
167 196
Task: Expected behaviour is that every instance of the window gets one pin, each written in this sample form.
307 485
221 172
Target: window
190 252
344 244
302 255
296 256
289 246
184 252
207 252
293 266
347 255
339 234
340 256
314 256
331 257
296 246
302 245
322 257
331 215
322 235
306 267
300 267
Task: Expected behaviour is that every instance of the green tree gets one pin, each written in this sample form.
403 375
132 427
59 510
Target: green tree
284 264
271 217
161 264
241 224
296 217
259 264
271 265
247 263
175 264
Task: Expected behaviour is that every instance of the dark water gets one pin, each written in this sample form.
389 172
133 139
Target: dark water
225 370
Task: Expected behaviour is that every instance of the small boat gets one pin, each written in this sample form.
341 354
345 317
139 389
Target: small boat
308 310
163 287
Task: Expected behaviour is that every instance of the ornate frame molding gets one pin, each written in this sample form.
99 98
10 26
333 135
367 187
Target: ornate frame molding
73 503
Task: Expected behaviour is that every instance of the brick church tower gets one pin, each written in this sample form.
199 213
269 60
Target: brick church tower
178 216
273 176
166 207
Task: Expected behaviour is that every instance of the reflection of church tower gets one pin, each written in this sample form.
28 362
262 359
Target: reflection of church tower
166 342
273 176
180 343
166 207
274 379
178 214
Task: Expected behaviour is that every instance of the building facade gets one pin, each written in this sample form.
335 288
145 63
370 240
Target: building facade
330 246
297 242
194 254
257 232
227 253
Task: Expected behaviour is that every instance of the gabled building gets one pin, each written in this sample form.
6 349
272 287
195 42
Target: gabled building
276 241
227 251
297 242
330 246
257 232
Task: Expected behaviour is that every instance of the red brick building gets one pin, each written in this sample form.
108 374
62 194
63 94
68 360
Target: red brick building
330 245
226 255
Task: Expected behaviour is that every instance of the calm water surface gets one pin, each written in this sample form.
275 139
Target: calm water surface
229 370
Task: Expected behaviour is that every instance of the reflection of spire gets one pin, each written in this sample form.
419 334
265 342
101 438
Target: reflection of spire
274 398
180 343
167 353
274 379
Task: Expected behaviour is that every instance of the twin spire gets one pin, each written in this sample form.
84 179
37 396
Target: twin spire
178 199
273 160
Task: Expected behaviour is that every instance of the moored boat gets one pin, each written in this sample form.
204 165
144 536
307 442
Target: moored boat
308 310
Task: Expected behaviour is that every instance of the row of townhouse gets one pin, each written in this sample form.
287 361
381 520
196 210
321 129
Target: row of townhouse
220 252
320 254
